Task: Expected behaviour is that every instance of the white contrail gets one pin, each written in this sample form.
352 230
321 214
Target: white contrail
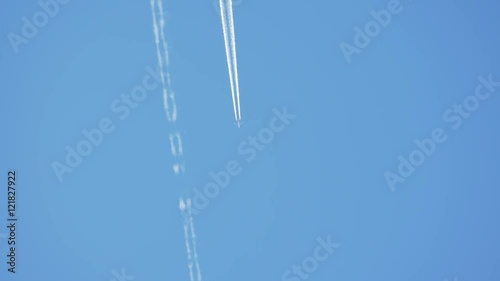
190 263
171 93
160 58
182 207
175 147
186 237
191 276
233 52
193 239
179 140
173 144
228 55
179 168
160 33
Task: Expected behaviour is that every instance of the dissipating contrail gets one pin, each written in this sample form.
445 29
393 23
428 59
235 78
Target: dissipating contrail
175 139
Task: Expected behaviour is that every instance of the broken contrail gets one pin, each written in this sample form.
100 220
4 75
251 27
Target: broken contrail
190 236
163 61
193 239
160 57
176 149
171 93
226 10
188 249
182 207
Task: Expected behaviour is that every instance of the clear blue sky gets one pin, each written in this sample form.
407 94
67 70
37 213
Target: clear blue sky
323 175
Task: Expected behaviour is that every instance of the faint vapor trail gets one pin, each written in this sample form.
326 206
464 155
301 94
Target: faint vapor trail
228 55
193 239
158 53
190 263
162 33
163 67
170 92
176 151
182 207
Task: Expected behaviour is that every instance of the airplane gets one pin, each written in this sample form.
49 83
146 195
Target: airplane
239 123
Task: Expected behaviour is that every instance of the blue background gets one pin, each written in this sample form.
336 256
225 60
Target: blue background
322 176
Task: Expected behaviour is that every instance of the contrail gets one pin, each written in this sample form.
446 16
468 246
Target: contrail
182 207
188 250
233 52
160 33
228 55
175 146
173 150
158 53
193 238
167 63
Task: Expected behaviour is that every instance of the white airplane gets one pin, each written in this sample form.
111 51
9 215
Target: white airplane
239 123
